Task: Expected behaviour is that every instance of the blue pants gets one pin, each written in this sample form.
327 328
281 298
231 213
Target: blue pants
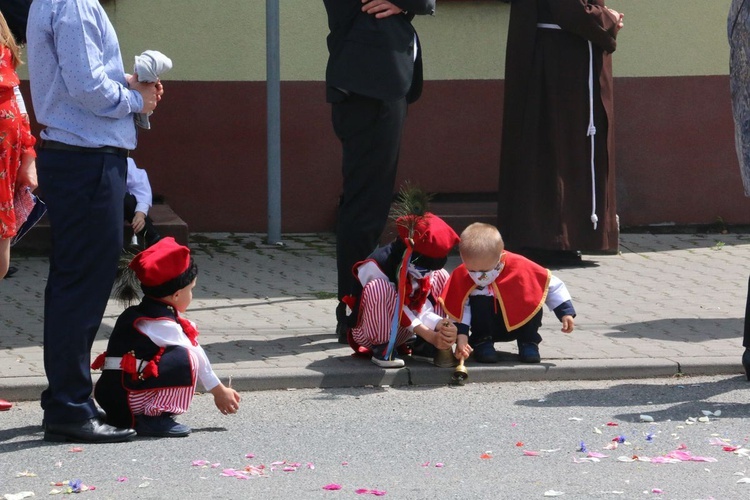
84 193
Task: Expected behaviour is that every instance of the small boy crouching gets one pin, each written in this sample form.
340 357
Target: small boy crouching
500 295
153 358
422 277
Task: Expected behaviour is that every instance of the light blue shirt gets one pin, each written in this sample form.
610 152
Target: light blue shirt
77 77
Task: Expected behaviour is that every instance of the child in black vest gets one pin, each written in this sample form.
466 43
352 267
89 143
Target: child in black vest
153 358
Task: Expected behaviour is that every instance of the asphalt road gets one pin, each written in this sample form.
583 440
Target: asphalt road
493 441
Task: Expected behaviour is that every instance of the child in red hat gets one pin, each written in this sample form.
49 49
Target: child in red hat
428 240
153 358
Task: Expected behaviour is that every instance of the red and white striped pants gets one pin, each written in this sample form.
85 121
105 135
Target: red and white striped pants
154 402
376 311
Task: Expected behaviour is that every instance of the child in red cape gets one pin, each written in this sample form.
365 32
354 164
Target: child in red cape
499 296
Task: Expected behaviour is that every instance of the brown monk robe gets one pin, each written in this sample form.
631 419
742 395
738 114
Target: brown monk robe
546 206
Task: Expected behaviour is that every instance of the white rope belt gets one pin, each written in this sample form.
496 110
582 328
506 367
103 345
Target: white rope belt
112 363
591 132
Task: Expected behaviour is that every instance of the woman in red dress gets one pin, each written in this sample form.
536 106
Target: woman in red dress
17 156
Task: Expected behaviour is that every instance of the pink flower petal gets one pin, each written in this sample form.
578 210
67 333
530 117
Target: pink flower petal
612 424
344 463
289 469
426 464
279 463
199 463
249 455
77 449
530 453
361 491
332 487
377 493
595 454
121 479
439 465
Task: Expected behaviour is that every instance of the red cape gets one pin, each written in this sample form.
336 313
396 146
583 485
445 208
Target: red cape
521 290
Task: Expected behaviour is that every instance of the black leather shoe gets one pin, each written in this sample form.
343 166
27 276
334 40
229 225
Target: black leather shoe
99 413
11 271
88 431
746 362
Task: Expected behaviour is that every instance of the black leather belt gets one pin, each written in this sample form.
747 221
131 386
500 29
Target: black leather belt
61 146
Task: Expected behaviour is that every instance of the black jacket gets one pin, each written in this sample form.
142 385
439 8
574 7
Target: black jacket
374 57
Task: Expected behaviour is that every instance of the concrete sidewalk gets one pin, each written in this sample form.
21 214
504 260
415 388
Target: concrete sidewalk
668 304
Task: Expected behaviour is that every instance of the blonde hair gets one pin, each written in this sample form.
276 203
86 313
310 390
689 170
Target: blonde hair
8 40
480 239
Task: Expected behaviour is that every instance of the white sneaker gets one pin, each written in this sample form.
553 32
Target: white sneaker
388 363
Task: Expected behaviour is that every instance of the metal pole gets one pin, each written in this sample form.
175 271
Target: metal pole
273 109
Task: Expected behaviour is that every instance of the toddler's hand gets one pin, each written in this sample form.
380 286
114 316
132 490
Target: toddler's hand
463 349
568 324
446 334
139 222
226 399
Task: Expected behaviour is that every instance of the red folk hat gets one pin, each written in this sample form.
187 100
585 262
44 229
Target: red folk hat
432 236
162 262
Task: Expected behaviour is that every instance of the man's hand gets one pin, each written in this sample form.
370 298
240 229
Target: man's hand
380 8
148 91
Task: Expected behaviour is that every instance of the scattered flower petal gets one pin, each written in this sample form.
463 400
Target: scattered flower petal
647 418
122 479
25 474
250 455
703 419
439 465
426 464
519 444
530 453
76 449
485 456
612 424
18 496
594 454
657 491
332 487
575 419
744 480
597 431
553 493
582 447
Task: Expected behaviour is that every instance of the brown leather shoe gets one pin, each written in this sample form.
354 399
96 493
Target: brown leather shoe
5 405
88 431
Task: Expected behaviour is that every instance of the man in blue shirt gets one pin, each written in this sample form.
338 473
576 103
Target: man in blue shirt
85 100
